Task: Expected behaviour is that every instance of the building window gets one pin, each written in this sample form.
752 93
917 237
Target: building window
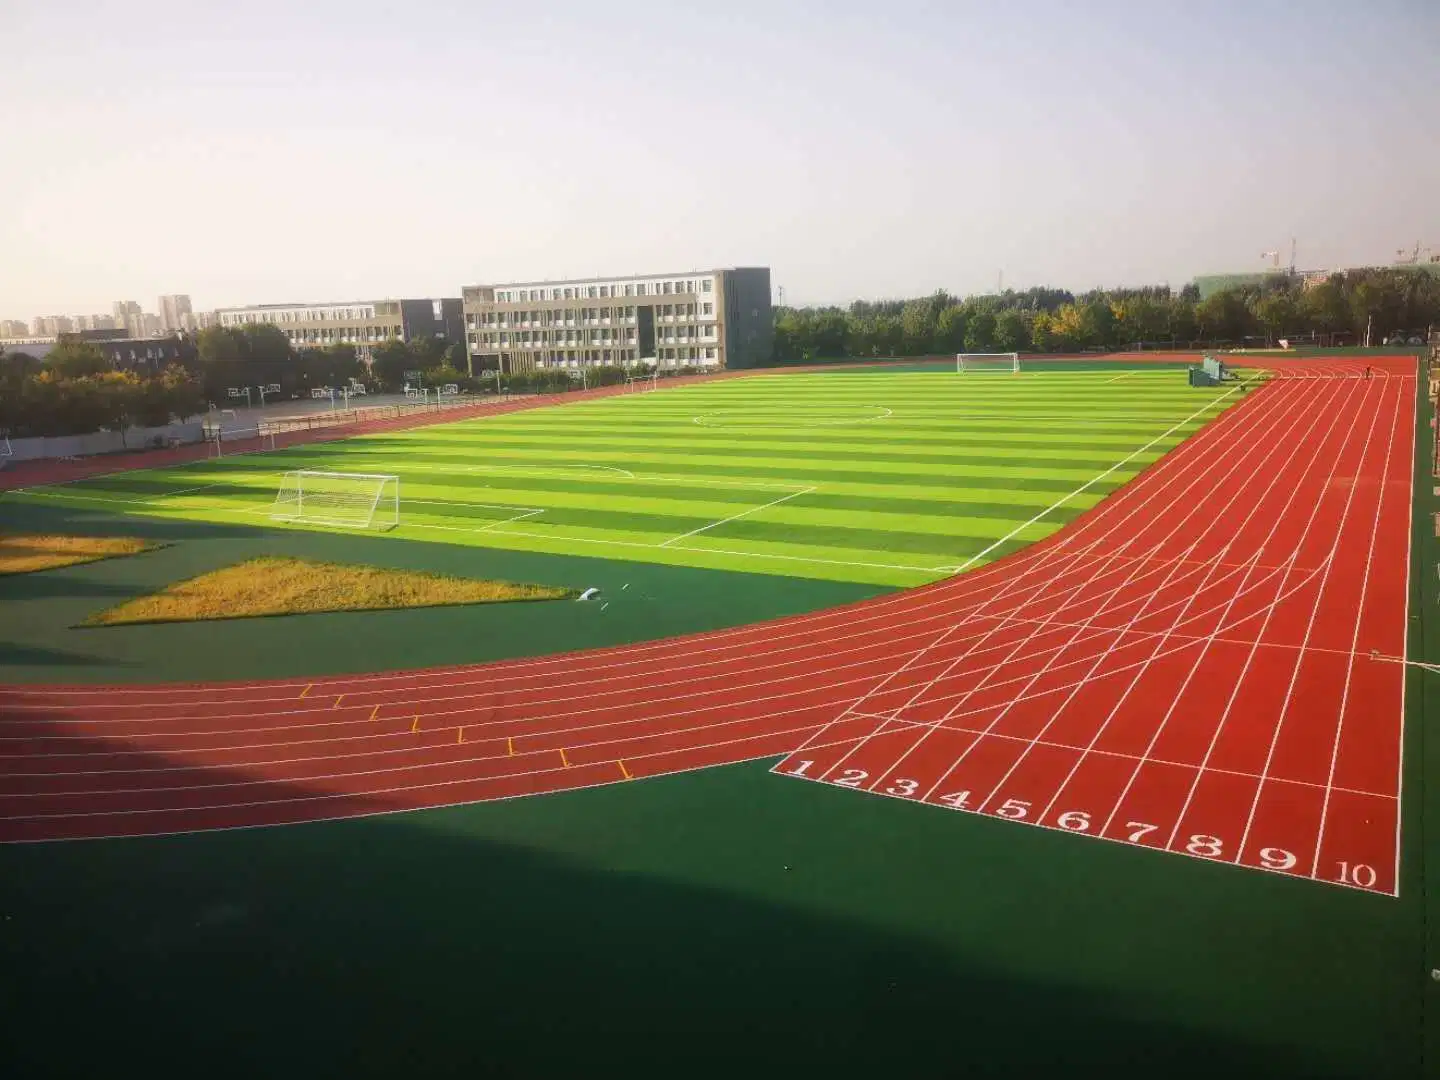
706 309
705 285
629 290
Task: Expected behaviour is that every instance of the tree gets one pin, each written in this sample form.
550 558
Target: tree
389 361
980 331
950 329
1277 312
220 344
446 375
1142 319
76 360
919 320
1012 330
457 356
1225 316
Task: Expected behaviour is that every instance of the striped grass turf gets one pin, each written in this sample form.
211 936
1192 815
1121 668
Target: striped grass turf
893 478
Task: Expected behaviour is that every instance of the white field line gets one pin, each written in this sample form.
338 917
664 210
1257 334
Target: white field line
525 515
941 598
1310 624
259 509
172 494
1354 644
789 414
1224 717
736 517
1096 479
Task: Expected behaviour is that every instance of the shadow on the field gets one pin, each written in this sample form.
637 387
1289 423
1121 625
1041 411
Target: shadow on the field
449 943
39 656
60 583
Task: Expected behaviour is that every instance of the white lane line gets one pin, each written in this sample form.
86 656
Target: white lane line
1310 625
1370 555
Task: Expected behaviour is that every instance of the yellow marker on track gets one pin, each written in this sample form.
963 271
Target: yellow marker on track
510 746
415 725
307 690
337 701
459 735
563 758
624 771
374 712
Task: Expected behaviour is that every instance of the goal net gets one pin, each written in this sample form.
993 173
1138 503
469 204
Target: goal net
346 500
636 384
987 361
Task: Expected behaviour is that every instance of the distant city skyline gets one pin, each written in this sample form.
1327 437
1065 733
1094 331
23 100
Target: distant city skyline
857 151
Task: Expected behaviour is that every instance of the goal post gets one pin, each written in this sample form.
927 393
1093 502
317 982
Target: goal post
988 361
339 499
636 384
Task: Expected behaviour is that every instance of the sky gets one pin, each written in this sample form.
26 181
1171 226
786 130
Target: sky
269 151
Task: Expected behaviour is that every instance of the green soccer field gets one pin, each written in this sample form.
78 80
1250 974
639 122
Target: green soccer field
890 478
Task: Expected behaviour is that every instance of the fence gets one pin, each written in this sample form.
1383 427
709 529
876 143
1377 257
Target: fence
282 425
104 442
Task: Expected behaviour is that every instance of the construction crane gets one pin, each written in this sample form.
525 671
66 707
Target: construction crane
1411 256
1274 257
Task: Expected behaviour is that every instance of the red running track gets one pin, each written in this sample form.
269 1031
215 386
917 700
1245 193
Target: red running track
1207 663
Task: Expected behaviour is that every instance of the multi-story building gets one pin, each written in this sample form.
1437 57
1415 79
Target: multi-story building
175 313
14 328
701 318
363 324
51 325
127 316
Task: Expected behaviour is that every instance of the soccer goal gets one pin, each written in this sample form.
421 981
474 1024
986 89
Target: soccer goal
636 384
6 452
987 361
346 500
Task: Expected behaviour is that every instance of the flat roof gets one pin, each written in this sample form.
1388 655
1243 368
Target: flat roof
336 303
607 277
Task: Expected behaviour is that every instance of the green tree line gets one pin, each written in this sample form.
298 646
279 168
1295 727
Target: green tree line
73 391
1337 311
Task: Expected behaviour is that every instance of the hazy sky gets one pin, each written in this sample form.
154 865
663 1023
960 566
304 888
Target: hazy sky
267 151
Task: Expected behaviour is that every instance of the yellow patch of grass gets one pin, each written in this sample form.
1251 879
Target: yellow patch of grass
275 586
24 553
